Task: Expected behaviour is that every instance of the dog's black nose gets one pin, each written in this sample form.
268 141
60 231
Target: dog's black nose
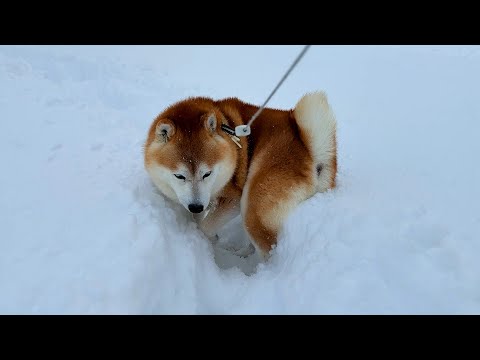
195 208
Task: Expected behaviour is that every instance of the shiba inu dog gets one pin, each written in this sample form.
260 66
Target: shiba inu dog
193 157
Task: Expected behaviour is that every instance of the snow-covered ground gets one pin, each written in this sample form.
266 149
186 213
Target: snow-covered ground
82 229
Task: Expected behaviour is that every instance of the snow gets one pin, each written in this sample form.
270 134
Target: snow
83 231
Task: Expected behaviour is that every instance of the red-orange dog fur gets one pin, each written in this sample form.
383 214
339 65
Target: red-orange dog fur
289 156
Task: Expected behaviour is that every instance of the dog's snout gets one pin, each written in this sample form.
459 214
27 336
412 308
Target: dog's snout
195 208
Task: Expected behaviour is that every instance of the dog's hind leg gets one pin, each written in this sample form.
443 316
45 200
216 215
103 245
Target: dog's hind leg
267 201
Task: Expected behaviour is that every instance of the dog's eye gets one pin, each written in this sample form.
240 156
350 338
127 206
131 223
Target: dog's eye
178 176
207 174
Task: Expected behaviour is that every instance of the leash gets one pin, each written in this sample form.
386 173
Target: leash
244 130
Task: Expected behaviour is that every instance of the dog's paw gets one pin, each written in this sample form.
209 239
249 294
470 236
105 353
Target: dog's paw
245 251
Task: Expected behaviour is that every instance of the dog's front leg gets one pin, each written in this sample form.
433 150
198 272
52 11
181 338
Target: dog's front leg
225 210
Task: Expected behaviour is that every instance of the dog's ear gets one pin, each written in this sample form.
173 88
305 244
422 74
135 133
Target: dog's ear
164 130
211 122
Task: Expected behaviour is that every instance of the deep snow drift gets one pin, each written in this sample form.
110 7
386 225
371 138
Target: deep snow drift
82 230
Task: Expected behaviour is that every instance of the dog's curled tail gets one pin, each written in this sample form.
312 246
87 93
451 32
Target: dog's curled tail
317 125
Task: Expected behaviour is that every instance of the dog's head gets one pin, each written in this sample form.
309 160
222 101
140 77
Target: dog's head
187 155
